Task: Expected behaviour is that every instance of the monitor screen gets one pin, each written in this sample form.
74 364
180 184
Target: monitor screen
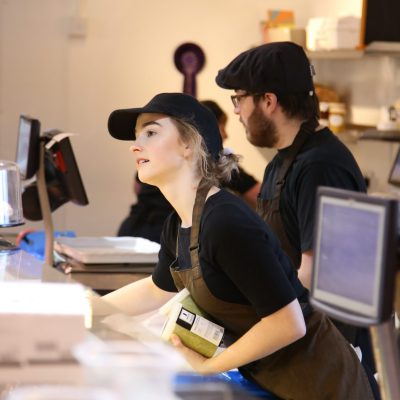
63 179
394 176
354 256
28 146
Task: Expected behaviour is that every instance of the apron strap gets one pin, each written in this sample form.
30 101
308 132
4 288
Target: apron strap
307 128
269 210
200 200
201 195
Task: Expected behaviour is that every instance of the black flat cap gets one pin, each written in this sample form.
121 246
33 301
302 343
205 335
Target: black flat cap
280 68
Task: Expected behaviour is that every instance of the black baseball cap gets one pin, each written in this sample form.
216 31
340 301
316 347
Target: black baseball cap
279 67
121 123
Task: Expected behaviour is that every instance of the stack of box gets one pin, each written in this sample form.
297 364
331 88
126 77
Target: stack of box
280 26
333 33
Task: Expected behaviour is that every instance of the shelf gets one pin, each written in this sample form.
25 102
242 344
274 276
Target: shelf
344 54
355 133
374 134
374 49
390 48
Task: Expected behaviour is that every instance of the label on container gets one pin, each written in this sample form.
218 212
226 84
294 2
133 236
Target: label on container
200 326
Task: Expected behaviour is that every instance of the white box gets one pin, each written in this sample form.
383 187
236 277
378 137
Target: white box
331 33
40 321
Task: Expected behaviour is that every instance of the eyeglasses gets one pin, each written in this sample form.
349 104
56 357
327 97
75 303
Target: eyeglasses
237 97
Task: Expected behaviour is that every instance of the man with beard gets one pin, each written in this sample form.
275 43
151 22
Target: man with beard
277 104
278 107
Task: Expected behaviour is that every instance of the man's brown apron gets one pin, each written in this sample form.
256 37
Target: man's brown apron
270 213
269 209
321 365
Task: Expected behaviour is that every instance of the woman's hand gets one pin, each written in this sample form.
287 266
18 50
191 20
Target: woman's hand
198 362
271 334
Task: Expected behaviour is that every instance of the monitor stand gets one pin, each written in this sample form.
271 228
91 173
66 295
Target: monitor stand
386 354
45 206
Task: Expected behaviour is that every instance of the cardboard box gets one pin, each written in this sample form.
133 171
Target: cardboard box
296 35
40 321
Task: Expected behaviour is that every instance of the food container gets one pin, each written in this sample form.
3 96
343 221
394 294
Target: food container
337 117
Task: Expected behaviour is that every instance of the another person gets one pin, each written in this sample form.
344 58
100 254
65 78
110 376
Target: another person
230 261
276 103
147 216
241 183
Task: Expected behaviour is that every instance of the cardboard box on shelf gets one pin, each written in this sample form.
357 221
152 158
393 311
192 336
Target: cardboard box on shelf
277 18
296 35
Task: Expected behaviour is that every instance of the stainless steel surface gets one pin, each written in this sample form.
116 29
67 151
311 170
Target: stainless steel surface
19 265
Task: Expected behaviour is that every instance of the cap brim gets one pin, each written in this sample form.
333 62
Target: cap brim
121 123
223 82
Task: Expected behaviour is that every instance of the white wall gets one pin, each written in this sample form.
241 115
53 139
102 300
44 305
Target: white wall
335 8
125 58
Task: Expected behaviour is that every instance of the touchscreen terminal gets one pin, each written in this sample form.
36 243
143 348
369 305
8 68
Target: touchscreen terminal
354 256
28 146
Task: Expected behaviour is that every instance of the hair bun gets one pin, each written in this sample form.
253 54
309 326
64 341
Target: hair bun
226 151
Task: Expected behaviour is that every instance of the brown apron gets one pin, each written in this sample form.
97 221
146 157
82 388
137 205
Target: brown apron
270 213
269 209
321 365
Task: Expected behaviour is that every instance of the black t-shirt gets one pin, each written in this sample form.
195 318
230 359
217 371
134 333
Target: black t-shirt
240 182
241 259
323 161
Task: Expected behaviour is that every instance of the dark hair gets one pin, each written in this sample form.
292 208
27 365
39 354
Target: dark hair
297 105
215 109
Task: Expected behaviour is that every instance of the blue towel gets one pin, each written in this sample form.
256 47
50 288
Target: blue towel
34 242
234 379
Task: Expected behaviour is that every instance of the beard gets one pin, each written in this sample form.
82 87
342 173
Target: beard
260 130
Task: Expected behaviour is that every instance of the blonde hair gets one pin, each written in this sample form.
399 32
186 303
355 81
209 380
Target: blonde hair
214 171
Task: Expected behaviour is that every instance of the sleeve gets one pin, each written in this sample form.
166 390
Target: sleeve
241 181
161 275
312 176
245 250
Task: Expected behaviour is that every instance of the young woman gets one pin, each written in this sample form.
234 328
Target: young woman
230 261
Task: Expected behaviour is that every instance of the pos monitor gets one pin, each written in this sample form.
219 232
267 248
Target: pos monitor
62 176
28 146
354 256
